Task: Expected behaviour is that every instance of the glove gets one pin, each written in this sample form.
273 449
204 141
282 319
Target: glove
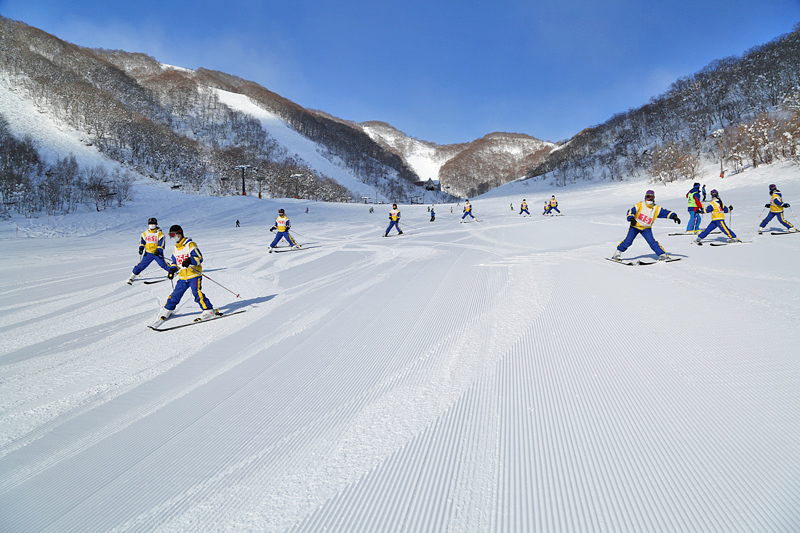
766 205
172 272
159 253
676 219
730 208
272 228
186 263
141 250
633 221
786 205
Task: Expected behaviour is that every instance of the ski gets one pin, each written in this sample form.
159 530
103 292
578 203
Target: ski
223 315
727 243
783 232
686 234
150 282
290 249
639 262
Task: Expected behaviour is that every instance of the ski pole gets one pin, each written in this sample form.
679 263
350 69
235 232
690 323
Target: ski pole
759 215
221 285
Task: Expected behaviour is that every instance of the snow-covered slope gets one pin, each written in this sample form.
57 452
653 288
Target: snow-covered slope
424 158
297 146
490 376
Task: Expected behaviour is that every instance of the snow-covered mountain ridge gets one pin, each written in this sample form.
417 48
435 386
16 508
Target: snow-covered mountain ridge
494 159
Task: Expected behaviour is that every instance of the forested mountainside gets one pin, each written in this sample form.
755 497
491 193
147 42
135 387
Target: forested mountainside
741 111
168 123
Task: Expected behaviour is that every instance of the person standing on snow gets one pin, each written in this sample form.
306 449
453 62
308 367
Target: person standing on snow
704 192
433 214
546 207
467 210
695 208
776 206
151 248
717 210
282 224
187 264
641 218
523 208
394 221
553 206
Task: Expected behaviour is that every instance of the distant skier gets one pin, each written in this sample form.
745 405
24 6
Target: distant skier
151 248
553 206
512 206
394 221
282 224
523 208
695 208
717 210
641 217
371 210
704 192
776 206
467 210
433 213
187 264
546 207
237 223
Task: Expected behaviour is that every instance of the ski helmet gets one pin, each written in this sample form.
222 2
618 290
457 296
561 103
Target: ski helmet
772 187
281 211
696 185
714 193
153 220
175 229
650 194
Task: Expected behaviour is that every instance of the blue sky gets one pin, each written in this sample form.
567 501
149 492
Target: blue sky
441 71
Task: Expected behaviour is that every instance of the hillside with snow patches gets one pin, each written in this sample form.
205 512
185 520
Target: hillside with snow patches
495 375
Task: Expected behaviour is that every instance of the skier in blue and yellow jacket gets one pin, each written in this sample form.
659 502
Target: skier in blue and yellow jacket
776 206
394 221
186 262
151 248
467 210
283 225
641 218
717 210
523 208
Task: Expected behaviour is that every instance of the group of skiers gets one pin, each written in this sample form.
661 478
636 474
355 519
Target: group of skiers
643 215
186 259
185 262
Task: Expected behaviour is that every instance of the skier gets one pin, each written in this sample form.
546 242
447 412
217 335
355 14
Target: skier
467 210
187 264
553 205
704 192
523 208
776 206
717 210
283 225
641 217
151 248
695 208
237 223
433 214
394 221
546 208
512 206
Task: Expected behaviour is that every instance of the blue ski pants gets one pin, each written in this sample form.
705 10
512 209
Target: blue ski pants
647 233
181 287
780 219
394 224
467 213
282 235
148 258
717 224
694 220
